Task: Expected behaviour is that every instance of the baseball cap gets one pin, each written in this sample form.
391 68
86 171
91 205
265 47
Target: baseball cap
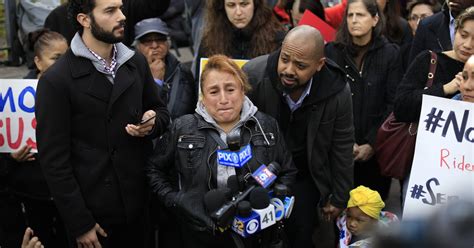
151 25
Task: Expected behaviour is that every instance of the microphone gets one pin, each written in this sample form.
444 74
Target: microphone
234 156
282 202
246 222
224 215
260 202
264 175
233 184
233 141
214 199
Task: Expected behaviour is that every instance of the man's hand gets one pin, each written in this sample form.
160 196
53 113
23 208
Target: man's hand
330 212
144 127
89 239
364 152
23 154
29 242
157 66
355 150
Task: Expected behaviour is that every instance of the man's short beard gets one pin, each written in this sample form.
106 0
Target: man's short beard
108 37
281 86
289 90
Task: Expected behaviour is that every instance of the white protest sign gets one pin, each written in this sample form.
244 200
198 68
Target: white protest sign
17 114
443 165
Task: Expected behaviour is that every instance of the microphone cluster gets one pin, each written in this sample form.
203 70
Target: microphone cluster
251 207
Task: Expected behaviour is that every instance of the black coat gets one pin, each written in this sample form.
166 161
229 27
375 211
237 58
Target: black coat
134 11
330 131
94 169
432 34
183 167
373 87
411 89
179 89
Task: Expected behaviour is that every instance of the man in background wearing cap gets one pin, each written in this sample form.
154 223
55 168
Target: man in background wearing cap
175 81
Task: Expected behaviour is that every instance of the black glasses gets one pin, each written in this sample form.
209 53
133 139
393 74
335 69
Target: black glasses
149 40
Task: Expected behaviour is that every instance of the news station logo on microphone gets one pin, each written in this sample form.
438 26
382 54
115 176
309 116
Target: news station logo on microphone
246 226
264 176
234 159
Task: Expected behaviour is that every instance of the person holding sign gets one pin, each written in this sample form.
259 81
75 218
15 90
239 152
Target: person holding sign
446 79
188 161
98 110
240 29
373 68
28 201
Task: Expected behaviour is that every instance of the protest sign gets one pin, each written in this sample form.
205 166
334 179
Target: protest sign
443 165
17 114
328 32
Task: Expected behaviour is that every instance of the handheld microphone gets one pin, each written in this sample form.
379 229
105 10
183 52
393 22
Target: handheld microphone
233 141
214 199
260 202
282 202
233 184
246 222
234 156
264 175
235 159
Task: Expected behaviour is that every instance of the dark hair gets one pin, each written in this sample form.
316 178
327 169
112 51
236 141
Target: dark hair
316 7
393 28
42 38
76 7
344 38
434 5
218 36
466 15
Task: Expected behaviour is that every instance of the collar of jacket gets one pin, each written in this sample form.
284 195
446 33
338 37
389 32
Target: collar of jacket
326 83
80 67
79 49
202 124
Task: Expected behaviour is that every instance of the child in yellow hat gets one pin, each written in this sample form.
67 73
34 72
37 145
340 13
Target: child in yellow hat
362 215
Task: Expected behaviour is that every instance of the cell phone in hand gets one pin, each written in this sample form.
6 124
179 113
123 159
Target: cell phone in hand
146 120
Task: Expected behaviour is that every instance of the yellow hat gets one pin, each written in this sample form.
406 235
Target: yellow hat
369 201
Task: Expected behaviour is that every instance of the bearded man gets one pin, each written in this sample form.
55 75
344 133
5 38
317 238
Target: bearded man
97 110
309 97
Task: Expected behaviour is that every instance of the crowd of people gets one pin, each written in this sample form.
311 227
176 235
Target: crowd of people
129 138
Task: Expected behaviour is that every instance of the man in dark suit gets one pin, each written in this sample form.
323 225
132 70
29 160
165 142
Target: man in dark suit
97 109
436 33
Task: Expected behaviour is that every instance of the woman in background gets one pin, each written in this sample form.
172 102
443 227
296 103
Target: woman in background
239 29
27 200
373 68
446 79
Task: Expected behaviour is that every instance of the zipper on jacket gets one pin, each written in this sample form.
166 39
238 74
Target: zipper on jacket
363 63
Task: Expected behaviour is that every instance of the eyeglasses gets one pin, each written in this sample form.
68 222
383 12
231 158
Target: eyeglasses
149 41
417 18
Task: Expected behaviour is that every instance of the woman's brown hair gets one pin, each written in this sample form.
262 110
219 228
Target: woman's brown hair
218 35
